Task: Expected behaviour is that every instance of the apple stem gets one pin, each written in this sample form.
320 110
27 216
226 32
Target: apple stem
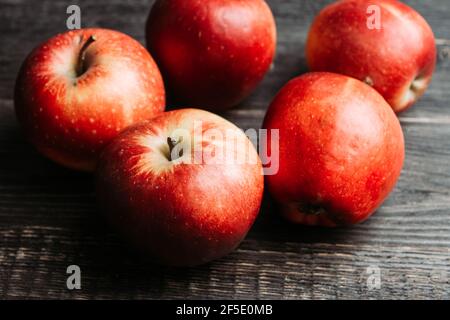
82 55
172 142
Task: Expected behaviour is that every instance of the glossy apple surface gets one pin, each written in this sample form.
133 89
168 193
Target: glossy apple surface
397 59
183 206
341 149
79 89
212 53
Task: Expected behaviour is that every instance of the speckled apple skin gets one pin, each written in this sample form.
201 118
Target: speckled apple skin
181 214
68 118
341 149
212 54
398 59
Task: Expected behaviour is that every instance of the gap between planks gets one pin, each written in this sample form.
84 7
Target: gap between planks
260 113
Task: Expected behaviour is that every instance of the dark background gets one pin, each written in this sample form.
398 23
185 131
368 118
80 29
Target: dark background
48 218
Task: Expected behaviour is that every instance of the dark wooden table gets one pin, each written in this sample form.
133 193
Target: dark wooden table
48 219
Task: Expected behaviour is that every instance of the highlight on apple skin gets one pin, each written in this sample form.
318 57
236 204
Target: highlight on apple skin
157 189
384 43
212 54
341 150
79 89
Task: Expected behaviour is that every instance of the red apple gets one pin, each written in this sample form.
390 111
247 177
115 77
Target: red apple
212 53
171 187
341 149
397 56
77 90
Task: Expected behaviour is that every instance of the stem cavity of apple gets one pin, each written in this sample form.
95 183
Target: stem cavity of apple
415 90
312 209
368 80
81 68
173 142
418 84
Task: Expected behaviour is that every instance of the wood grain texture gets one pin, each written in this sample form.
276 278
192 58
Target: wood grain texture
48 218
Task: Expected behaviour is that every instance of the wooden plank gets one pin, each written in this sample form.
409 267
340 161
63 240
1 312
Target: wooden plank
48 218
34 267
50 221
31 22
